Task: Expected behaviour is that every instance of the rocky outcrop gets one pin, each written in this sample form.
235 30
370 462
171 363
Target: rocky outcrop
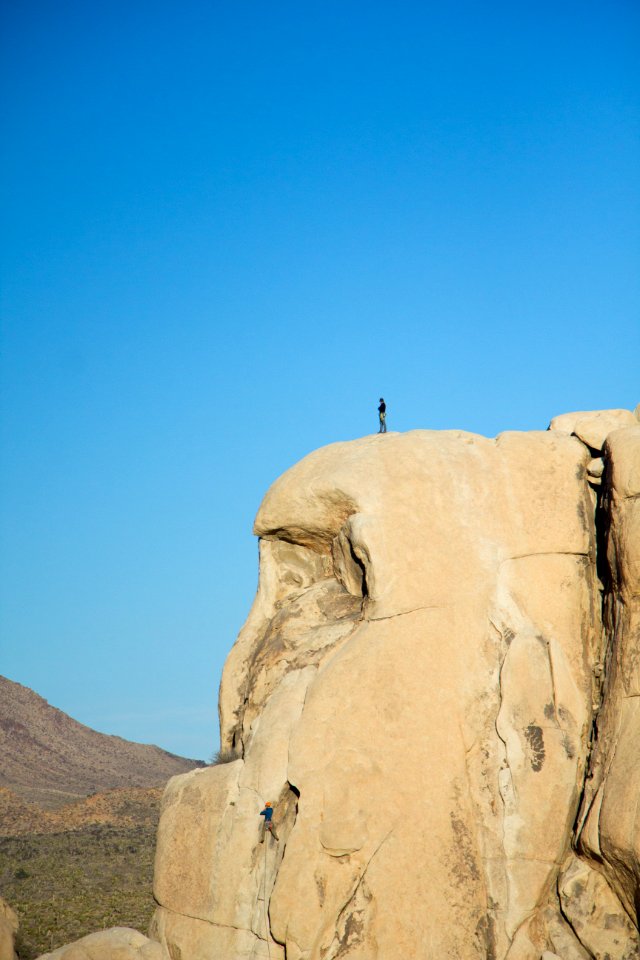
437 687
118 943
593 426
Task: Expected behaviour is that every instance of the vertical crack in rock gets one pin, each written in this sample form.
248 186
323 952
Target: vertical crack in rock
600 537
605 847
350 563
563 912
595 770
287 807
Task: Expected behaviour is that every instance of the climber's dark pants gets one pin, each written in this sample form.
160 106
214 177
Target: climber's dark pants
268 825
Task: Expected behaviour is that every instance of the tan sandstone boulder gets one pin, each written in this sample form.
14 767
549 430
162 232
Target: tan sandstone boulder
8 930
593 426
117 943
415 691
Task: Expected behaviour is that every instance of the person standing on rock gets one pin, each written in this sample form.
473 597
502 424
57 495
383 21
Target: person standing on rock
382 415
267 823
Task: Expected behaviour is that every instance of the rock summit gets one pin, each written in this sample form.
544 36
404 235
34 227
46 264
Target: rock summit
438 687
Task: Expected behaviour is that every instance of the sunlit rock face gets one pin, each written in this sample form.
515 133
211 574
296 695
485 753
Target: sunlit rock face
428 692
8 931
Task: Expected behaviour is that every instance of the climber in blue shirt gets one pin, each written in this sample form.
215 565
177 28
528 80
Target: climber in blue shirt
267 823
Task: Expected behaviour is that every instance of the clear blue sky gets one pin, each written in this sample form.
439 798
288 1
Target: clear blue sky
228 228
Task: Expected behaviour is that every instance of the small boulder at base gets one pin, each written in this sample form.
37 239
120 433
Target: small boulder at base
117 943
8 931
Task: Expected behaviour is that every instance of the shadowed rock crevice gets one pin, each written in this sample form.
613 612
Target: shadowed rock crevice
349 565
614 761
285 818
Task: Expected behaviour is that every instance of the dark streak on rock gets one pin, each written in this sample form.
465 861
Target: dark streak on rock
486 936
350 932
466 866
568 746
582 513
353 930
535 739
565 715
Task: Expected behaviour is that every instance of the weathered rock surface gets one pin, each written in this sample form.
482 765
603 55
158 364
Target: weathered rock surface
438 688
595 913
593 426
118 943
8 931
427 691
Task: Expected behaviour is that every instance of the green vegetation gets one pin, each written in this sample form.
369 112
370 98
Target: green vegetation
66 885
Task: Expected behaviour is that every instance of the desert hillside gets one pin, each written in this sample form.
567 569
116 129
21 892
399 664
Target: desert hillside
135 807
85 866
48 758
78 817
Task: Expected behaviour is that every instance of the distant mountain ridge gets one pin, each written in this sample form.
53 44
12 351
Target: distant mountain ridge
50 759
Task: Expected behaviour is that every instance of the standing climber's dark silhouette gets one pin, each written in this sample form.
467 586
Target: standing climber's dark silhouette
382 414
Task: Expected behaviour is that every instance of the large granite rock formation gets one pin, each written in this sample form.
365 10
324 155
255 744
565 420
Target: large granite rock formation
438 687
425 689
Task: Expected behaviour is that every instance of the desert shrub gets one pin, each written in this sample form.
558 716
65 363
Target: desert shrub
77 883
224 756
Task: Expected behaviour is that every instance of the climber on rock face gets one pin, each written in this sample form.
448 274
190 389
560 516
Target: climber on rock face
267 823
382 414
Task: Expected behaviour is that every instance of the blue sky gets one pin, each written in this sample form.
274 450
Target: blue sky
228 229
